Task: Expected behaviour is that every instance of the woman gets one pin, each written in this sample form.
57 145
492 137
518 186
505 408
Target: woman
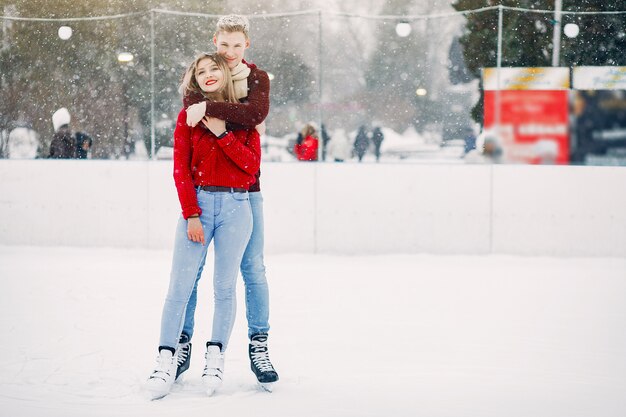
213 170
307 144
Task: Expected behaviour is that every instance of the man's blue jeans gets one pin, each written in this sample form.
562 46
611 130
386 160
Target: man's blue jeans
253 272
227 220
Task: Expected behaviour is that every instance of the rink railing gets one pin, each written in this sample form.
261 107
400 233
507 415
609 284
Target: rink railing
331 208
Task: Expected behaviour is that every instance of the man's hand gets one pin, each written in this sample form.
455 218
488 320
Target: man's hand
195 113
195 233
216 126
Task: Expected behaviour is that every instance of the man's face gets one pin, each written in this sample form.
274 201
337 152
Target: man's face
231 45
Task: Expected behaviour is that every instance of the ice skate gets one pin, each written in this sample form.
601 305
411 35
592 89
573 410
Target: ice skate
160 381
214 368
184 355
260 362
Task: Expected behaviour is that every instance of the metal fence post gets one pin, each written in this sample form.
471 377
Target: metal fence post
152 97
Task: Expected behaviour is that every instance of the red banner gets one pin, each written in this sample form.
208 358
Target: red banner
533 124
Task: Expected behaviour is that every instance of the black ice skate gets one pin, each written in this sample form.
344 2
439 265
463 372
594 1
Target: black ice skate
184 354
260 361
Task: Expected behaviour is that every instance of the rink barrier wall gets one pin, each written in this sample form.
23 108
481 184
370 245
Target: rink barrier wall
331 208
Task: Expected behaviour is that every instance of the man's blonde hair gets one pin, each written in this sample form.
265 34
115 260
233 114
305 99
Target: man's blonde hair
233 23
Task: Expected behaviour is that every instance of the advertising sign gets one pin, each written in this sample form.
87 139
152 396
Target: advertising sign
534 78
533 113
599 78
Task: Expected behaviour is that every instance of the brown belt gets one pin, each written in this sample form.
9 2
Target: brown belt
217 188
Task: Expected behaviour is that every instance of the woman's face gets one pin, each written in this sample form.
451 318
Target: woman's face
209 76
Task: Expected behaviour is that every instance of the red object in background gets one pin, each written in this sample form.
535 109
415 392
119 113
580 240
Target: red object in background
533 123
307 150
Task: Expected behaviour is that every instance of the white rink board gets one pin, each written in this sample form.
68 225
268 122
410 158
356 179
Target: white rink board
403 209
559 211
331 208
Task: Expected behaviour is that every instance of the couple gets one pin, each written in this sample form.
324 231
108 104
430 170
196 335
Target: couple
217 155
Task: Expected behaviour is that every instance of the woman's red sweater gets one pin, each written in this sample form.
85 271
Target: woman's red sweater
200 158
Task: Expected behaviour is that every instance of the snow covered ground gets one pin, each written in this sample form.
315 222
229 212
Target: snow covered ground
389 335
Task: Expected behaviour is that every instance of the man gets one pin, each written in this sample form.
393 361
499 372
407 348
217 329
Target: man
83 145
63 145
377 140
252 89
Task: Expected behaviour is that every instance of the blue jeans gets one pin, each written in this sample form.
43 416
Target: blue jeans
253 272
227 219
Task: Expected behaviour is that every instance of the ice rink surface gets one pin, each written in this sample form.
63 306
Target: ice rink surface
388 335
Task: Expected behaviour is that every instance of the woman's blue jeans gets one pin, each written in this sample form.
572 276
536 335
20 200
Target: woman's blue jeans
253 272
227 220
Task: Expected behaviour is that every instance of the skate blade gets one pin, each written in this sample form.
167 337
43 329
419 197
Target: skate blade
156 391
211 385
267 386
154 395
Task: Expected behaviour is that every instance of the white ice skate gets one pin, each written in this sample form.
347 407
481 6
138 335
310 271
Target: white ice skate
160 381
214 369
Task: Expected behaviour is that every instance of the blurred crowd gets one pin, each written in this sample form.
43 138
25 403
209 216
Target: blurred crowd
23 143
338 148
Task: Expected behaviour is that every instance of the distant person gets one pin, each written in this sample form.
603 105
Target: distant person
470 140
325 139
306 150
377 140
339 147
361 143
488 150
129 147
23 143
63 145
83 145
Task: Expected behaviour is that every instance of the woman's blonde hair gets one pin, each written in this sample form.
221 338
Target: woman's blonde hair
309 130
190 85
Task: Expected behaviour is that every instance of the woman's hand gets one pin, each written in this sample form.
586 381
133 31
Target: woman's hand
216 126
195 113
261 128
195 233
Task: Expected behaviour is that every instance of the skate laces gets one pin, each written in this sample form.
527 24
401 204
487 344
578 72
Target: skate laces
183 353
260 357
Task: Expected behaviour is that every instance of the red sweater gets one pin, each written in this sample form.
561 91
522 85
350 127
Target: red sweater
202 159
250 112
307 150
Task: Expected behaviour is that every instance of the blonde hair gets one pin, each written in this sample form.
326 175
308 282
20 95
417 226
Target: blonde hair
233 23
309 130
189 83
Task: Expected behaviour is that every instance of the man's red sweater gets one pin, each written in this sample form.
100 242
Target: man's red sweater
250 112
200 158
